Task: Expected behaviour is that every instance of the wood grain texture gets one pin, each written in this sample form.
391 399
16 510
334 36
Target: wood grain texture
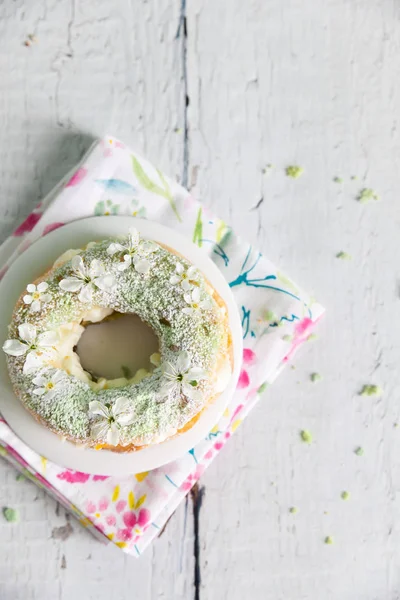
312 84
281 82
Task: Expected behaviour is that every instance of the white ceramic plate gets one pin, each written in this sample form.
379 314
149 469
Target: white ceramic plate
35 261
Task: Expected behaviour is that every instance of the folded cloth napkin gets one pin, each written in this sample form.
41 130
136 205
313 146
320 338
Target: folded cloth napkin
276 318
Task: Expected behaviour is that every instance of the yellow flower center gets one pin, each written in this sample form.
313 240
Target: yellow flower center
107 213
195 306
184 276
36 295
49 385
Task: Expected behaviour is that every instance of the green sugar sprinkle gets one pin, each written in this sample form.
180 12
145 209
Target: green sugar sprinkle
395 425
262 387
354 177
338 180
328 540
359 451
20 477
312 337
344 256
294 171
293 510
11 515
269 315
371 390
367 194
306 436
345 495
315 377
287 338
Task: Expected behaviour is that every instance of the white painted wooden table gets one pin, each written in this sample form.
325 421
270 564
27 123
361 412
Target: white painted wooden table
212 92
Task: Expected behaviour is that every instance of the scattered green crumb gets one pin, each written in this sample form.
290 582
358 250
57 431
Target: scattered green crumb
371 390
269 315
272 483
367 194
359 451
11 514
315 377
287 338
281 324
262 387
338 180
354 177
306 436
32 37
312 337
293 367
294 171
293 510
177 130
345 495
20 477
328 540
326 512
344 256
395 425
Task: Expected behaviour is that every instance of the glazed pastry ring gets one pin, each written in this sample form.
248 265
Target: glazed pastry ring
33 264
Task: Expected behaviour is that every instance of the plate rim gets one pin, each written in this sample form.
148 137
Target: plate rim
106 462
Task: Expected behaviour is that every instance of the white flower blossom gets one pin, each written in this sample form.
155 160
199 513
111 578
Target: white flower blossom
112 418
185 278
37 348
49 383
196 302
86 278
182 378
134 252
37 296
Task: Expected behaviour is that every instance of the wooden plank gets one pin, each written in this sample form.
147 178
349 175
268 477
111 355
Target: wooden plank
96 67
315 85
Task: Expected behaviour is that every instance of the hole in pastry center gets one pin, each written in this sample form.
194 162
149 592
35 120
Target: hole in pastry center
117 347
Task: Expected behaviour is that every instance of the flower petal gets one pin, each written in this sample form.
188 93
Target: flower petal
168 387
48 339
193 273
50 395
27 299
169 370
31 288
183 362
14 348
126 264
188 298
71 284
196 374
188 311
179 268
39 380
27 332
186 285
45 298
99 430
98 408
113 435
206 303
78 266
33 362
96 268
147 248
39 391
134 237
142 266
58 376
196 295
192 393
105 282
114 249
42 287
121 405
86 293
36 306
174 280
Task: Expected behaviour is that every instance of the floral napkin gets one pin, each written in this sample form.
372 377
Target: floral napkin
276 317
